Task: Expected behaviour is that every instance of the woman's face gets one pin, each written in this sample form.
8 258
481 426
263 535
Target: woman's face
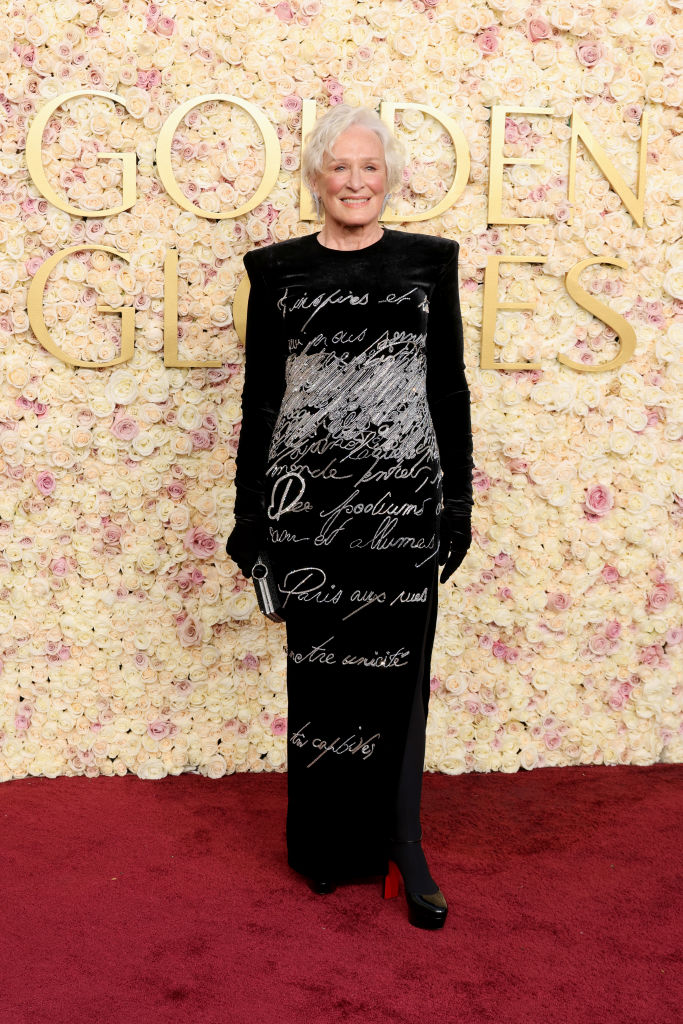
353 181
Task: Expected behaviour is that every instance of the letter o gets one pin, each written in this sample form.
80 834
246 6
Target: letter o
163 155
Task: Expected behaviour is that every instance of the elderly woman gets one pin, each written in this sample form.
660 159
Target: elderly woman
354 476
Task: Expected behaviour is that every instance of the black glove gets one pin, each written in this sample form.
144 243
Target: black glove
264 385
455 536
449 403
244 543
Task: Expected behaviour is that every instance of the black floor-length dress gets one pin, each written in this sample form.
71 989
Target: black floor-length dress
355 399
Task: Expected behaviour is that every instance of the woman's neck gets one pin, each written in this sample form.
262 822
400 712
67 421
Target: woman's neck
342 236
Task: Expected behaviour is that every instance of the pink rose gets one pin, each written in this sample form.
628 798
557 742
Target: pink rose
159 729
610 574
250 661
511 130
559 601
674 635
184 582
504 593
292 103
633 112
32 265
434 683
502 558
165 26
485 642
176 490
201 439
499 649
278 726
599 500
651 655
480 480
199 542
188 632
59 566
125 427
589 53
487 41
662 47
613 629
539 28
599 644
284 12
112 533
660 597
46 482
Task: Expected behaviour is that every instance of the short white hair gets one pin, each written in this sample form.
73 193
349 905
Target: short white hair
330 126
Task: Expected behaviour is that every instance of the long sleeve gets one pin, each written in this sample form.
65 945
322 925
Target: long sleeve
264 383
449 398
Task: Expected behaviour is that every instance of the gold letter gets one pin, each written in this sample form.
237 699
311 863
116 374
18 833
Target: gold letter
36 292
462 159
621 327
497 161
171 314
306 208
634 204
163 157
492 305
34 160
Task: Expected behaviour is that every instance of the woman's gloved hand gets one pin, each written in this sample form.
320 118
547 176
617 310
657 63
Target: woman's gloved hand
455 536
245 542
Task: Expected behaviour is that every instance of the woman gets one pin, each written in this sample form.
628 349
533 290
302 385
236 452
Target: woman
354 474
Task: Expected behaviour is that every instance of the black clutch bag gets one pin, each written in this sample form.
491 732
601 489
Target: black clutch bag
267 593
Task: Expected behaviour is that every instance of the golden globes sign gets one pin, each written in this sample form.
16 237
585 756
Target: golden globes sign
634 203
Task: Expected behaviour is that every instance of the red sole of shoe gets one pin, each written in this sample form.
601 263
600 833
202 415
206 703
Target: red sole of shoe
391 881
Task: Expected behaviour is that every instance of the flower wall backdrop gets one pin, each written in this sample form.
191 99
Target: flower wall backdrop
129 640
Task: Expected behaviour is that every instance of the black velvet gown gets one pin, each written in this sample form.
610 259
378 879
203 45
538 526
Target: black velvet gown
355 401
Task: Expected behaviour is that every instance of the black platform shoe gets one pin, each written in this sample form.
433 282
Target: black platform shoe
425 910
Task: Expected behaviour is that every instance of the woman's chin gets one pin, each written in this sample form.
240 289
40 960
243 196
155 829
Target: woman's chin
358 218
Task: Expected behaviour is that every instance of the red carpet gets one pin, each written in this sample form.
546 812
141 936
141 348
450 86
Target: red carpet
126 901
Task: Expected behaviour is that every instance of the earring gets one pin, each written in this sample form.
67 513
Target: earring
384 204
316 200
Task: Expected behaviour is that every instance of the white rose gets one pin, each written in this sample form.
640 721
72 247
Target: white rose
673 282
122 387
153 768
